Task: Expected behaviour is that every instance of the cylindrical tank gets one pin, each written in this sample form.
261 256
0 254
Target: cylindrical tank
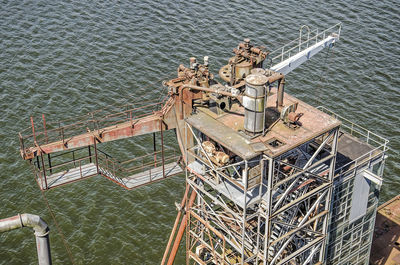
257 71
242 69
254 103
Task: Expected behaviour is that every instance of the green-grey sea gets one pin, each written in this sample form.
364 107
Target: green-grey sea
66 58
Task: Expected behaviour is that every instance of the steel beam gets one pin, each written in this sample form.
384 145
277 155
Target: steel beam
295 61
142 126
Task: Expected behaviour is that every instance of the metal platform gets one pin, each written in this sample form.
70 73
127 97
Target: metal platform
385 246
151 175
90 170
68 176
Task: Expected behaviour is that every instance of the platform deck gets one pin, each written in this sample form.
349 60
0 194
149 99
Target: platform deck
385 245
151 175
70 175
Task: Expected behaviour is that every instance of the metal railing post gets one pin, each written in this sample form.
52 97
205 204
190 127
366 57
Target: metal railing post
80 168
96 155
90 154
44 170
162 147
49 159
155 149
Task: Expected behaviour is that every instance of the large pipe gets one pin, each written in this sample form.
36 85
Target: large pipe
281 77
41 233
178 217
281 89
181 230
206 89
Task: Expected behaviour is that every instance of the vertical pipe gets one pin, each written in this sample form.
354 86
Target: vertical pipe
43 249
41 233
281 88
181 230
264 108
178 217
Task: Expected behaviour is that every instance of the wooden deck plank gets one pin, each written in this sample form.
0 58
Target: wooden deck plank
70 175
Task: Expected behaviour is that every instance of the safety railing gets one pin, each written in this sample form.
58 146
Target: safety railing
45 166
121 171
379 143
298 45
63 130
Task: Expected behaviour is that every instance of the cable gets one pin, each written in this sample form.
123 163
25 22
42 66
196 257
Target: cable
58 228
322 71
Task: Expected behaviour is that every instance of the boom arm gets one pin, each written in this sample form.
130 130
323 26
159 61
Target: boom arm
285 66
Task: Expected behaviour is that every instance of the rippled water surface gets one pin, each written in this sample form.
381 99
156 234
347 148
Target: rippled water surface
67 58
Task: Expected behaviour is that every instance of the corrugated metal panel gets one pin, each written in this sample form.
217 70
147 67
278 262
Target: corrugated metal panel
359 200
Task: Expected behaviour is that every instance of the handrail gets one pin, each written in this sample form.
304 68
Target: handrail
147 155
297 43
352 128
378 142
149 164
88 122
69 162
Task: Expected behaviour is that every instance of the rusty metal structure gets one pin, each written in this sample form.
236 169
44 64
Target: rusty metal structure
269 178
386 243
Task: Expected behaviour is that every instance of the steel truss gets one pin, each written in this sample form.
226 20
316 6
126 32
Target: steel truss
279 218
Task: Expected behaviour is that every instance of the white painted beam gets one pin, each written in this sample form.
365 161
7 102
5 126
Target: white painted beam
298 59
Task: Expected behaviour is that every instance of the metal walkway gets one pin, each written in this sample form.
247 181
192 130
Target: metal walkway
90 170
68 176
152 175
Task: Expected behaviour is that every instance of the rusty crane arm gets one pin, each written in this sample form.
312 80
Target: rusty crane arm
131 127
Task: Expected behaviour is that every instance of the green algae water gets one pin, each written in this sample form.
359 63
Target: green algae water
66 58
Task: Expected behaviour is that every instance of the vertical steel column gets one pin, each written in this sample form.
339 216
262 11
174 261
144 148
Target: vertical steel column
44 170
262 165
267 218
245 180
328 203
